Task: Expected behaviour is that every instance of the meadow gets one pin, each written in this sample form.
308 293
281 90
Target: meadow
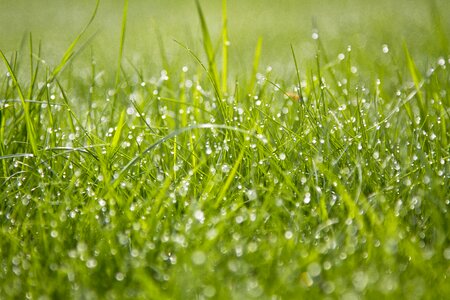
224 149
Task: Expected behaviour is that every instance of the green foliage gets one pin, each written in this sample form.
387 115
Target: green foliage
327 176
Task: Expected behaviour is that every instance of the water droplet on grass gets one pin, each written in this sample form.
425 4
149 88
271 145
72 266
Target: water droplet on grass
251 194
314 269
209 291
225 168
199 216
120 276
307 198
131 110
198 257
91 263
288 235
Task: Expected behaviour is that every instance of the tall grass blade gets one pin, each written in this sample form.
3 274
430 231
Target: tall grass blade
208 47
174 134
299 91
116 138
119 58
417 79
256 58
31 133
70 51
225 45
230 177
210 75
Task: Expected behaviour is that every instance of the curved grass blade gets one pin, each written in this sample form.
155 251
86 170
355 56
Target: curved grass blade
225 44
70 51
209 49
31 133
172 135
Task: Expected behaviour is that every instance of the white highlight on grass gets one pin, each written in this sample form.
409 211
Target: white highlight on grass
91 263
447 253
314 269
120 276
198 257
376 155
199 216
251 194
225 168
307 198
288 234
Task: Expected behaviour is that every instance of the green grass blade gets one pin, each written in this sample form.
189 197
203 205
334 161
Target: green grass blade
299 91
210 75
208 47
16 155
230 178
116 138
31 132
225 45
70 51
120 56
172 135
256 58
417 79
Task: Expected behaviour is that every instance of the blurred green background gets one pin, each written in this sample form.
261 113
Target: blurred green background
366 25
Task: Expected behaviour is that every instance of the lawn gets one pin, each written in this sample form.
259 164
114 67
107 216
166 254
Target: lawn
224 149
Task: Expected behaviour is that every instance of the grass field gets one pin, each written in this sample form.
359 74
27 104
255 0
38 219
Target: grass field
225 149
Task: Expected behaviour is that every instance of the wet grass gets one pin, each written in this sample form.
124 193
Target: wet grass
218 176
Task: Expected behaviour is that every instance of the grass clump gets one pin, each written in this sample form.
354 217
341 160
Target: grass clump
188 184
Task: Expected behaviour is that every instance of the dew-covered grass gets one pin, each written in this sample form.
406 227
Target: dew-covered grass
304 161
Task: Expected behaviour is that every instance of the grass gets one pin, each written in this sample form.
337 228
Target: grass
326 175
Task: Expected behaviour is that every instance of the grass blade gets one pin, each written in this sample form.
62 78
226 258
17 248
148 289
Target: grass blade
225 45
417 82
172 135
31 133
256 58
230 178
70 51
299 91
119 58
208 47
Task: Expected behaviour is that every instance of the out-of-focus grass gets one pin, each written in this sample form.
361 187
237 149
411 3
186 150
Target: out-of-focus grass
363 24
325 175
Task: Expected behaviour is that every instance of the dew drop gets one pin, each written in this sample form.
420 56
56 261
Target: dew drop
120 276
198 257
91 263
251 194
288 235
225 168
